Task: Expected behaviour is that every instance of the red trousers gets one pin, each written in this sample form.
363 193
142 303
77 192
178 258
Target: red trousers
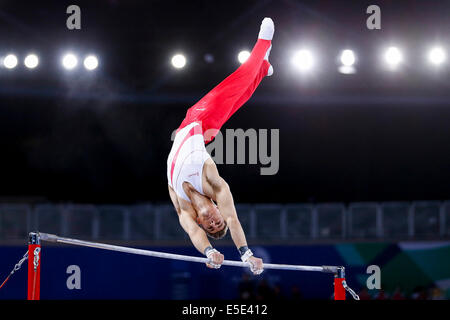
216 107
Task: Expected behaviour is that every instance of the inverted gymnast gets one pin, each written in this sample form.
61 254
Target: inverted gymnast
195 186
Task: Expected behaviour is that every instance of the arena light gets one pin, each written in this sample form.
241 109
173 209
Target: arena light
178 61
10 61
69 61
393 56
31 61
303 60
243 56
436 56
91 62
348 60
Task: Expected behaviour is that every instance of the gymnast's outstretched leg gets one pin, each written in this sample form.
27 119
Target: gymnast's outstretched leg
265 70
216 107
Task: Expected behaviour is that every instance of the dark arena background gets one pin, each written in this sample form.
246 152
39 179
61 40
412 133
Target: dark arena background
357 124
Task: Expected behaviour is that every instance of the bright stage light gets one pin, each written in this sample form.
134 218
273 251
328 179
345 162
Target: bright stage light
178 61
348 58
393 56
69 61
303 60
10 61
31 61
436 56
243 56
91 62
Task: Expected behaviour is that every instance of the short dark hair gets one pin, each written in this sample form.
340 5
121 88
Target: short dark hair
219 234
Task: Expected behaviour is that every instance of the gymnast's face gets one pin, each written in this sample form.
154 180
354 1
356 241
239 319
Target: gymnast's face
209 217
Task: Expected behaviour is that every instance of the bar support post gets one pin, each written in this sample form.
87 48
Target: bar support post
339 280
34 266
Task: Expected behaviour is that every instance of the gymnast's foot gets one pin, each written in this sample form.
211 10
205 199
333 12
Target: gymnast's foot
266 32
267 29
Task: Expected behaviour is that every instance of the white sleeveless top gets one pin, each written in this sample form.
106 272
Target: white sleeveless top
186 159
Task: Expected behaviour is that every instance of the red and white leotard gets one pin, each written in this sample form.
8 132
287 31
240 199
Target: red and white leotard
186 159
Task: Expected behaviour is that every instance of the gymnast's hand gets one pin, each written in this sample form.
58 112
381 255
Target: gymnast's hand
256 265
215 259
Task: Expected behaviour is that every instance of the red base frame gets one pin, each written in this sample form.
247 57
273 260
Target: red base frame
339 290
34 272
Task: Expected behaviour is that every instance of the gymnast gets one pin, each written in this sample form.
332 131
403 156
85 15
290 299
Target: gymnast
201 197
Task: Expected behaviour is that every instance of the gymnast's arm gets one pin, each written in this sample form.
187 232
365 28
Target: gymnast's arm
215 187
186 216
196 234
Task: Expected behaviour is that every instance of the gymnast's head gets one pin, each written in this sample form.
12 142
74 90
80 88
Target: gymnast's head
208 214
210 219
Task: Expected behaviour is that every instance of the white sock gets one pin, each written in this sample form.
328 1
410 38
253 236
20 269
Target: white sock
266 57
267 29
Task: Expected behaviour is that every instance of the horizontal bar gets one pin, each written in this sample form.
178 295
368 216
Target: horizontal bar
54 238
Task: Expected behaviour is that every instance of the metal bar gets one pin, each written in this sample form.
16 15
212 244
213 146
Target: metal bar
54 238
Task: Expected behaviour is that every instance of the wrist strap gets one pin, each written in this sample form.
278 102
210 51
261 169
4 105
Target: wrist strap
207 249
246 255
242 250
